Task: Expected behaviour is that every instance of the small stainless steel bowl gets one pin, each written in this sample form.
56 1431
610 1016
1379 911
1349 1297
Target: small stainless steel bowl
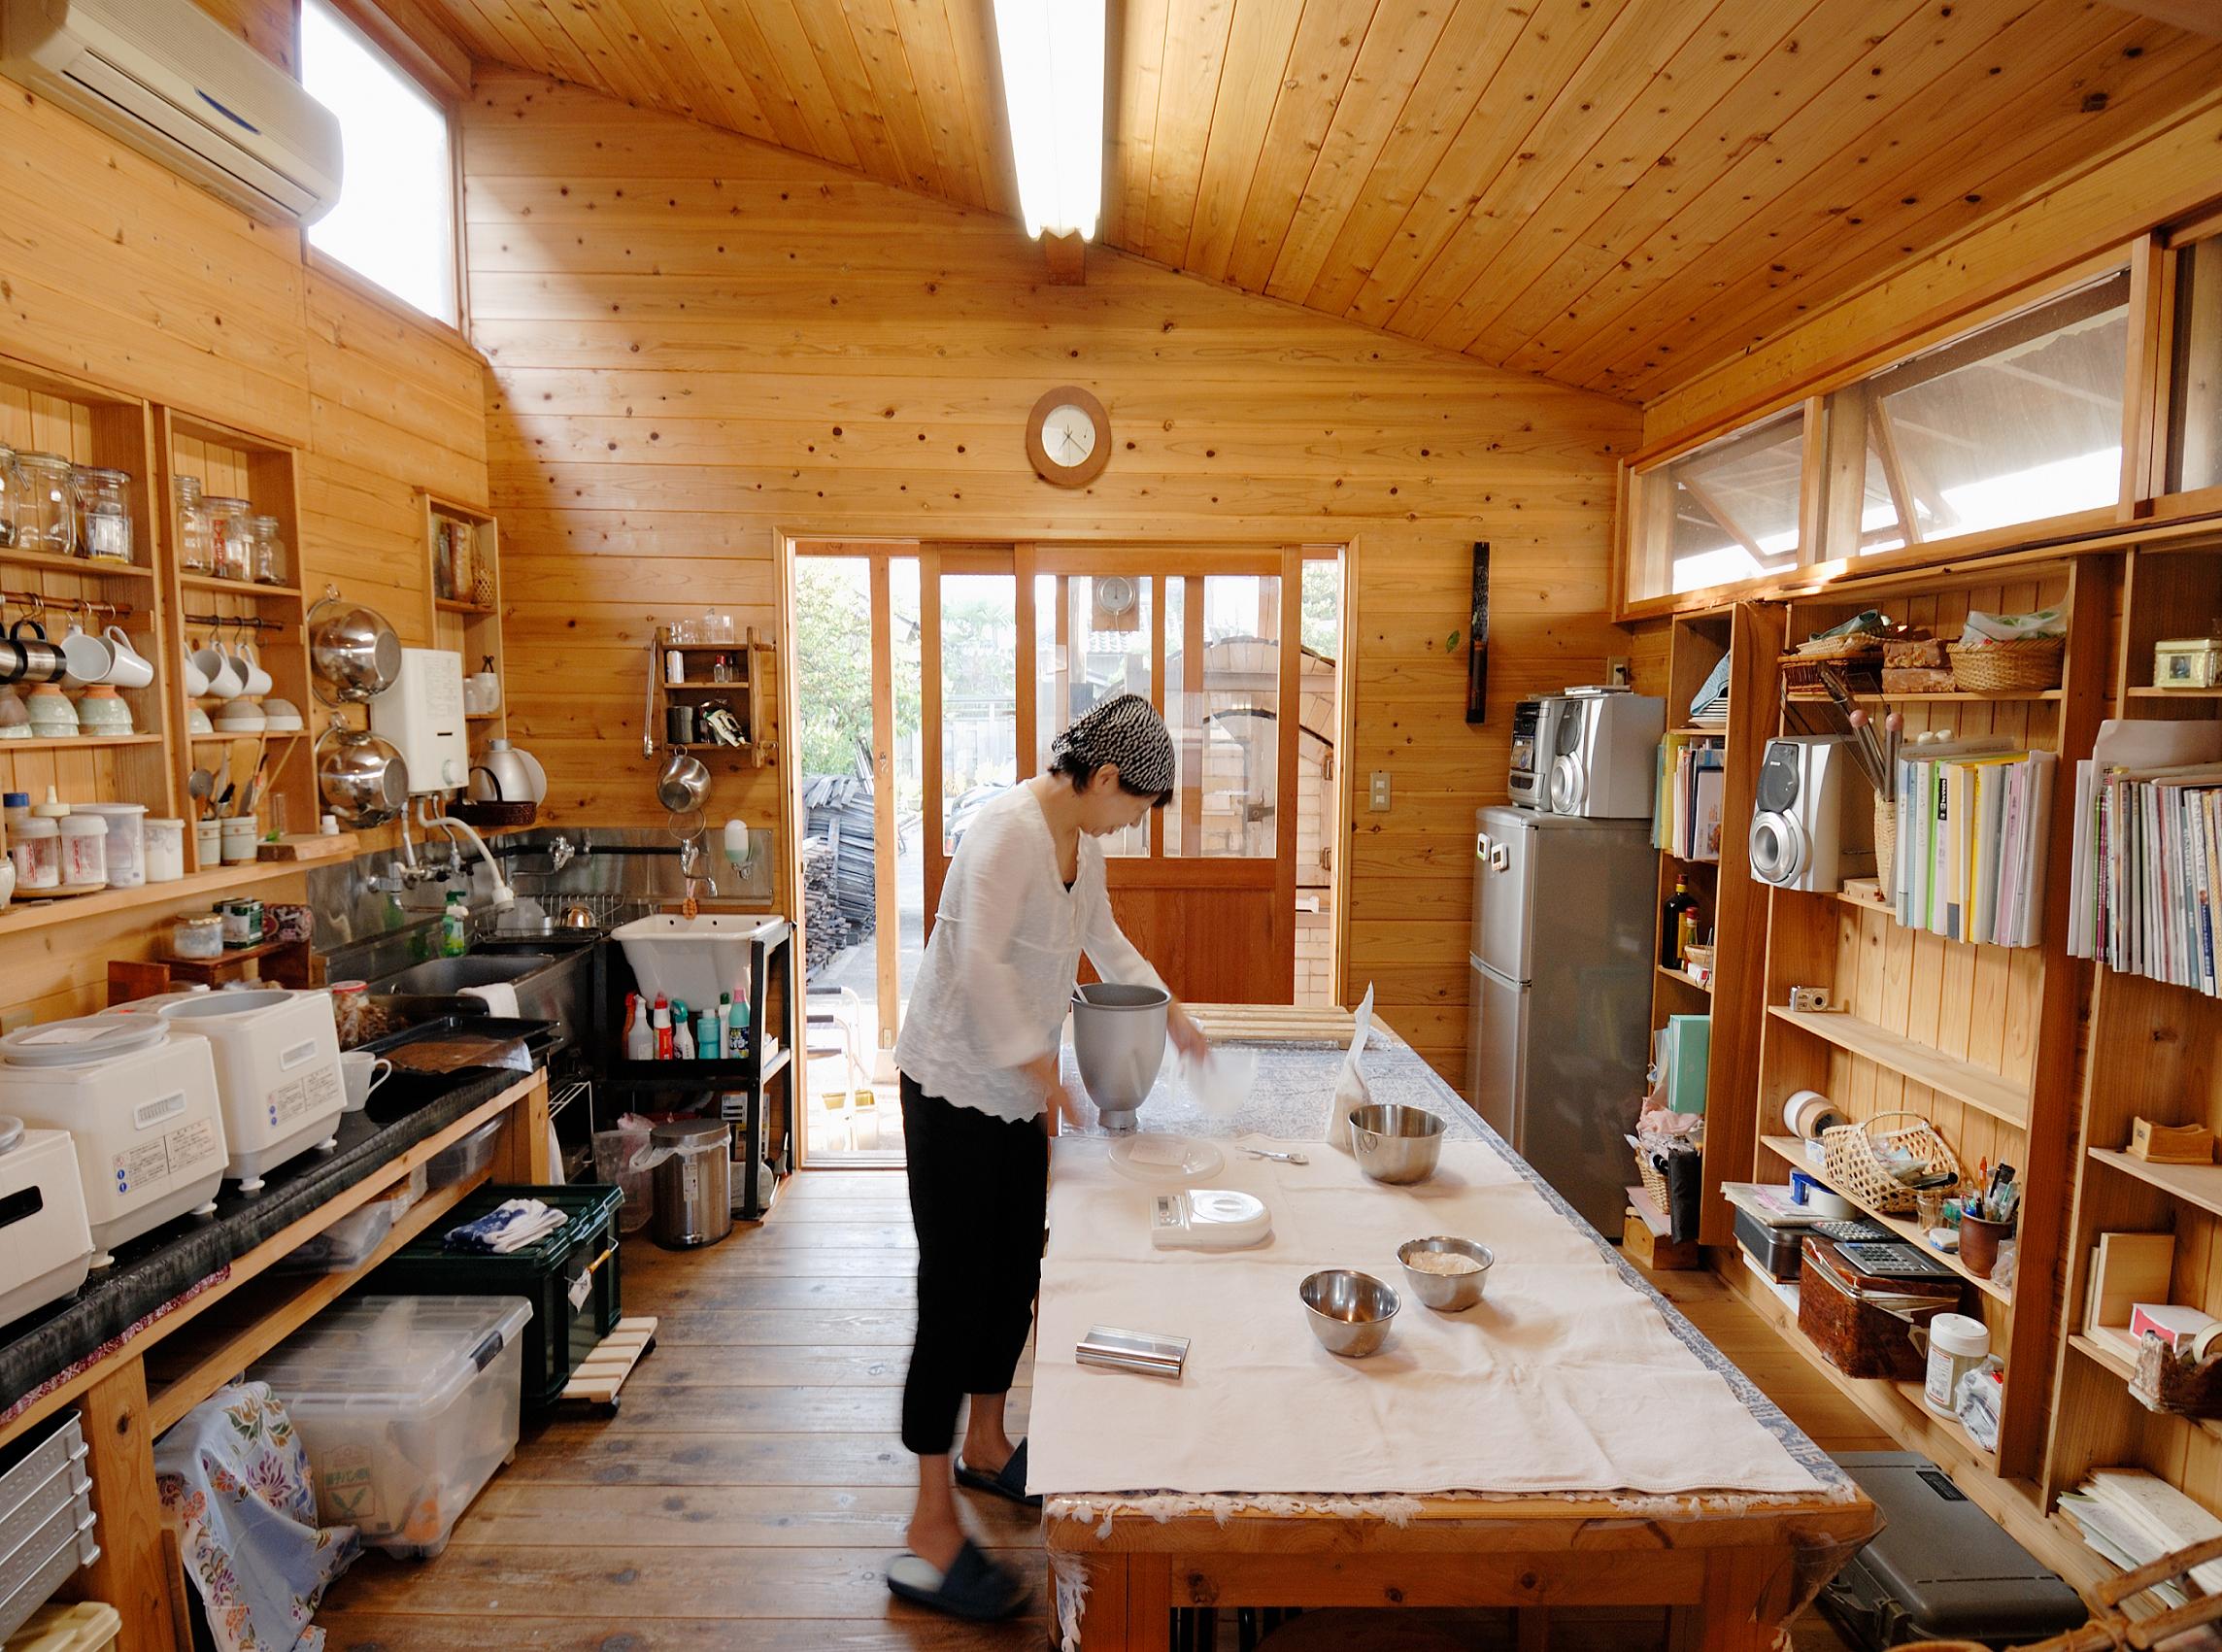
1348 1311
1447 1292
1396 1144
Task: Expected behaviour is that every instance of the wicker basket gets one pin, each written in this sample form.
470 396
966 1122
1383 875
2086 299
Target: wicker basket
494 813
1853 1163
1653 1182
2007 667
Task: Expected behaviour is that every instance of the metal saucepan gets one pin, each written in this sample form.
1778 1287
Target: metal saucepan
362 778
354 652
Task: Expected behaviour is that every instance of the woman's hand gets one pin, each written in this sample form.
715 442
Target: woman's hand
1188 1037
1057 1101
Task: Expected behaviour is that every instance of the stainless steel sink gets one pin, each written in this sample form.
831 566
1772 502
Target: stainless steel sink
474 969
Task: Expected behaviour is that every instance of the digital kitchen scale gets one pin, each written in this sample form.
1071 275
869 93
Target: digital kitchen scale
1208 1219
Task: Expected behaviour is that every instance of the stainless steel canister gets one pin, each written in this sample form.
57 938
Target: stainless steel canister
693 1182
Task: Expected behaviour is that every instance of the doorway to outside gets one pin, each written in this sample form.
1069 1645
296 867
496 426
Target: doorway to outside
909 718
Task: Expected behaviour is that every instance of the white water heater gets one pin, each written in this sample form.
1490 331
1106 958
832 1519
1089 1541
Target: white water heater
422 717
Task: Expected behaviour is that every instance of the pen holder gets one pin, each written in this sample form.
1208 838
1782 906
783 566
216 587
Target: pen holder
1980 1242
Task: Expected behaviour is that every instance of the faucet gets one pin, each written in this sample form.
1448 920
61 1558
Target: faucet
560 853
503 893
693 863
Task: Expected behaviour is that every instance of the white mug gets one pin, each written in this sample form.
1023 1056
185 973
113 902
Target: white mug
224 676
88 659
363 1073
256 681
131 669
196 679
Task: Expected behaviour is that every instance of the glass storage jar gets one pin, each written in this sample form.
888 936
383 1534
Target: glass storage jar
197 545
44 520
231 541
269 550
10 485
103 513
198 935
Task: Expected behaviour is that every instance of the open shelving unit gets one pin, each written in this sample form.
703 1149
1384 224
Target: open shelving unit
45 412
468 622
268 617
1730 904
747 673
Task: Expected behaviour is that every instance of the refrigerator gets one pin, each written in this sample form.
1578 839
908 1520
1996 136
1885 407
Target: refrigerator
1558 1018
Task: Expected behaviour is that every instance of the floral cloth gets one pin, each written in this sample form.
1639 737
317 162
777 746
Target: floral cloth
235 1481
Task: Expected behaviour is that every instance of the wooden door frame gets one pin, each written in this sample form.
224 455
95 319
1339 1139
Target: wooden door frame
961 552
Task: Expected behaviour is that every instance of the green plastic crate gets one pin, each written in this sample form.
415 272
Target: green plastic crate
577 1262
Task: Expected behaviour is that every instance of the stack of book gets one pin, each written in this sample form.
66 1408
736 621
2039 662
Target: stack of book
2131 1518
1709 709
1970 841
1692 774
2148 853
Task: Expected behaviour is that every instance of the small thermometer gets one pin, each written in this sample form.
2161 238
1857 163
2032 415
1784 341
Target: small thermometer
1208 1219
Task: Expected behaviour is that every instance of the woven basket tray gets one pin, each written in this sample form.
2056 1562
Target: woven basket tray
494 813
1853 1163
2006 668
1654 1183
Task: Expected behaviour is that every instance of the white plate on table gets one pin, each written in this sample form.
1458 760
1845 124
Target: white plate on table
1161 1159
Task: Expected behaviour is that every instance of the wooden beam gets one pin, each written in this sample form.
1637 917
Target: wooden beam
411 34
1067 257
889 925
2195 17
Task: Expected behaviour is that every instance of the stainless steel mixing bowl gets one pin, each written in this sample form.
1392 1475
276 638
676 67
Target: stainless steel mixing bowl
1396 1144
1447 1292
1348 1311
1119 1042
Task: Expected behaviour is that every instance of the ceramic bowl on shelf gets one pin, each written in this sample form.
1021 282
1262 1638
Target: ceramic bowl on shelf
197 721
238 717
282 717
102 710
15 716
53 715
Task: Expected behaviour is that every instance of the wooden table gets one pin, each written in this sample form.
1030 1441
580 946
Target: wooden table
145 1383
1729 1575
1728 1572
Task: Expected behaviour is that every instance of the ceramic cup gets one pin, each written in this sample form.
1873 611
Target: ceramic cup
131 669
256 681
362 1072
87 656
196 679
225 677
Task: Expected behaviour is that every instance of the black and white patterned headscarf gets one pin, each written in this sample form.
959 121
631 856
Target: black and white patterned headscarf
1128 732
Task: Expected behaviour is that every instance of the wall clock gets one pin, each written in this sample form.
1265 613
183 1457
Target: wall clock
1068 437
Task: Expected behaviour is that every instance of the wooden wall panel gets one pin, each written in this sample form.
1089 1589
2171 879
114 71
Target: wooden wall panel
114 269
698 343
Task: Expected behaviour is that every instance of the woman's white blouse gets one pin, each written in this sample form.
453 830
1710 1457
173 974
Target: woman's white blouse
999 974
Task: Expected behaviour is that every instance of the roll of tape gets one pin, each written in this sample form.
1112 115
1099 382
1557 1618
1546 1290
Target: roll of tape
1807 1113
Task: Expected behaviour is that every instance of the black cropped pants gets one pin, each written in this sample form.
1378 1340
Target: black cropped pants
978 1192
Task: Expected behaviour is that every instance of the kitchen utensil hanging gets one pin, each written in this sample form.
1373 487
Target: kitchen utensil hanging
683 782
360 777
354 655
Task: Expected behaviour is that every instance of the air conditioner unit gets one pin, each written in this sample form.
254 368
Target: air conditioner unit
167 78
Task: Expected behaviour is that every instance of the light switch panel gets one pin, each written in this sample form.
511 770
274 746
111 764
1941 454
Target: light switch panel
1378 796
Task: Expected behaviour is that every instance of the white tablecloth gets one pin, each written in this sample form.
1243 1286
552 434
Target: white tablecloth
1568 1376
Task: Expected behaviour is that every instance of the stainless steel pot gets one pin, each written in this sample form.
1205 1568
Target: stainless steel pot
683 782
693 1168
353 652
361 778
1396 1144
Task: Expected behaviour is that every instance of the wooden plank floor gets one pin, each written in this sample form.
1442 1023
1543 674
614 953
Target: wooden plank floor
751 1486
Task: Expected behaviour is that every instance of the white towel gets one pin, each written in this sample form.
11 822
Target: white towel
500 998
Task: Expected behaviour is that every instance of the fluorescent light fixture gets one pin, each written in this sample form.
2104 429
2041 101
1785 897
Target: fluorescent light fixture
1052 92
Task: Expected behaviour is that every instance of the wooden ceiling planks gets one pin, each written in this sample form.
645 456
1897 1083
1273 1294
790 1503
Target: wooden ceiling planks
1613 193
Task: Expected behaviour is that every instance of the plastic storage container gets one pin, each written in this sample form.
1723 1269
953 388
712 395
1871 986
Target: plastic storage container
614 1153
465 1159
406 1406
46 1519
570 1278
89 1626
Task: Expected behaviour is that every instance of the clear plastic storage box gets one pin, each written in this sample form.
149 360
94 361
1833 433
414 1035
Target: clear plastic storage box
406 1406
45 1518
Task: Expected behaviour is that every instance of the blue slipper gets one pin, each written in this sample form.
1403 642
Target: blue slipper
1009 1482
973 1587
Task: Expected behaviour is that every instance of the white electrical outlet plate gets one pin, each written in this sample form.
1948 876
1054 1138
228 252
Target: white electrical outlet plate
1378 792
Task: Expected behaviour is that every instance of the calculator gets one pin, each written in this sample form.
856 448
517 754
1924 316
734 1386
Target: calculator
1892 1259
1858 1231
